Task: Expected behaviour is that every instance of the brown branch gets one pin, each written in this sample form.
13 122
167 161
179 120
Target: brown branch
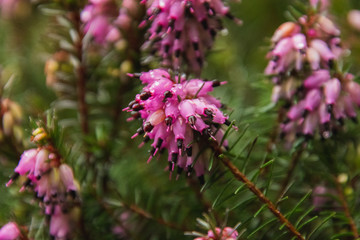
251 186
346 208
81 74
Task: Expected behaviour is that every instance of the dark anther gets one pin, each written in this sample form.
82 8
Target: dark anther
227 122
174 157
212 33
73 193
276 58
171 166
38 177
145 95
305 113
27 182
159 143
14 176
135 115
192 120
207 131
167 48
189 151
204 23
179 170
148 127
179 143
207 6
168 94
158 29
177 53
171 23
137 107
331 63
329 108
199 61
152 151
201 179
140 131
196 46
216 83
187 9
146 139
168 121
131 103
177 34
341 121
229 16
208 112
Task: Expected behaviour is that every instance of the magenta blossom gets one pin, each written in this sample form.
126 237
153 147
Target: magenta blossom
99 17
10 231
227 233
302 64
179 115
183 30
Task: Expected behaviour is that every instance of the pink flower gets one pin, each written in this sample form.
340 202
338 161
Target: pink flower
301 64
176 114
353 18
183 30
227 233
10 231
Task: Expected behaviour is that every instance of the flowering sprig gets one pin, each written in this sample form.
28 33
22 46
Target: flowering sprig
180 116
182 31
303 67
220 234
53 182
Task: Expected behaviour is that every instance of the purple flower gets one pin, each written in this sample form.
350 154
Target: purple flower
301 66
10 231
179 115
227 233
98 17
183 30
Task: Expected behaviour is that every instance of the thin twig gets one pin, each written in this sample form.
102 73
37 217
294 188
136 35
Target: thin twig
251 186
346 208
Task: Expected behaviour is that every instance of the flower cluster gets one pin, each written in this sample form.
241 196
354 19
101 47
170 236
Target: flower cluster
52 181
10 231
183 30
220 234
98 17
11 117
180 116
304 70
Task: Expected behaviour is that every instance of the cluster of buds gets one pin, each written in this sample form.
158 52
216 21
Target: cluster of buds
56 66
52 181
98 17
180 116
227 233
10 231
303 68
11 117
183 30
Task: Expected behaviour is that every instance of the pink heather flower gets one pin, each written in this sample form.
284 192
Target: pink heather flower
301 61
227 233
179 115
183 30
98 17
52 181
353 18
10 231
